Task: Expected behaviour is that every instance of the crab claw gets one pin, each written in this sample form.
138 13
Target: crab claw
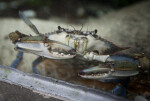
105 73
51 49
94 73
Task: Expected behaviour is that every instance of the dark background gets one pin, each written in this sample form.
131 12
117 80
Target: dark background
71 9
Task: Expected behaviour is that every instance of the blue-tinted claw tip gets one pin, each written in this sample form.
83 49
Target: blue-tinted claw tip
81 73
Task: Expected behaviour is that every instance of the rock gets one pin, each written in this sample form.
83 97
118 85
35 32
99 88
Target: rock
129 26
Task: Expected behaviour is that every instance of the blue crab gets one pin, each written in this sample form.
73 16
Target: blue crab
66 44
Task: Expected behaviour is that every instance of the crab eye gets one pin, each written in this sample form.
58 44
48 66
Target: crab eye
95 31
59 28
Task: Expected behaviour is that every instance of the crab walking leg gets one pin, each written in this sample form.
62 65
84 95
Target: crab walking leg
121 87
35 63
18 59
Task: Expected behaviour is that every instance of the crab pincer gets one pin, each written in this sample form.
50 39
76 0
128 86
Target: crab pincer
51 49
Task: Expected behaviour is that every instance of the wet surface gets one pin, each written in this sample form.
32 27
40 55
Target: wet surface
138 85
61 70
33 85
